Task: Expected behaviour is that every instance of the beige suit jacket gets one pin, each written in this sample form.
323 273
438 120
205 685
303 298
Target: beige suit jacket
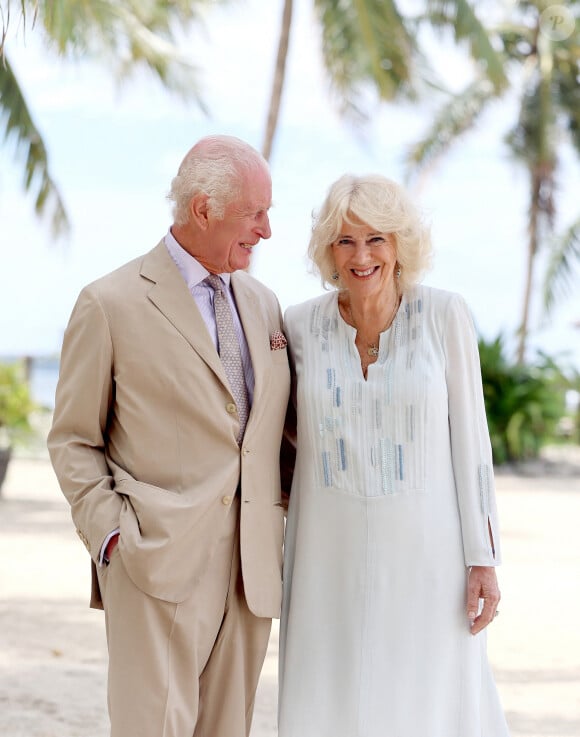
144 437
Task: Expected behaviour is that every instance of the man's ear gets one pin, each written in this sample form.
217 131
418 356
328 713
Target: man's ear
199 210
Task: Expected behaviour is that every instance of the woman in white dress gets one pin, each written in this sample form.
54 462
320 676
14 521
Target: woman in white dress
392 534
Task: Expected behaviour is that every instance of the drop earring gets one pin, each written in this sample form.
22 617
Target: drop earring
398 272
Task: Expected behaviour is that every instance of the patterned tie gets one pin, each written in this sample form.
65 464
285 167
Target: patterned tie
229 350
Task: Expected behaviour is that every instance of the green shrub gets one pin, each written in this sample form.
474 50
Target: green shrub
524 403
16 404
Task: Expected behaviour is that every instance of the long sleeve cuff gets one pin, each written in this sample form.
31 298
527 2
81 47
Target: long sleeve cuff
102 560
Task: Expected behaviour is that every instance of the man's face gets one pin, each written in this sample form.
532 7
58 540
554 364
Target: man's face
229 241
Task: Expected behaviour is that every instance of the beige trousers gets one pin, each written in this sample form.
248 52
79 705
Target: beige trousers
189 669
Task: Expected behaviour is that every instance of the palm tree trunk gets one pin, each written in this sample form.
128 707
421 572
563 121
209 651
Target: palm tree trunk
532 249
279 75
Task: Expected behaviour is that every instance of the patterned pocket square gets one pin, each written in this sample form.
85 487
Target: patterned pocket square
277 341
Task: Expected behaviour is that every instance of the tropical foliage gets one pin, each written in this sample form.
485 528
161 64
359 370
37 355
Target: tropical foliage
123 35
543 67
523 403
562 272
370 50
16 408
16 404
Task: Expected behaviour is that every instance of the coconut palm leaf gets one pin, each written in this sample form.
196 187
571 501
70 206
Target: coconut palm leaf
5 15
562 272
533 142
459 17
123 35
370 50
365 45
458 116
566 86
544 76
16 122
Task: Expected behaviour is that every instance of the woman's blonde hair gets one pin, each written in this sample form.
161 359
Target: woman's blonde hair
385 207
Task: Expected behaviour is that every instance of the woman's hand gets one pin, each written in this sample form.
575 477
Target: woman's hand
482 584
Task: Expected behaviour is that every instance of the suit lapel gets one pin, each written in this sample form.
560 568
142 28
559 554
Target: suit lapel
169 293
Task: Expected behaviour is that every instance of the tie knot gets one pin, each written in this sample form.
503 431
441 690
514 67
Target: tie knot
215 282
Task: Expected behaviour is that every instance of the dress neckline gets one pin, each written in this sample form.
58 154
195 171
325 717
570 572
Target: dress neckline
352 332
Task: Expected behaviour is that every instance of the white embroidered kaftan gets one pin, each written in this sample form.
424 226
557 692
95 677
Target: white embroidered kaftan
390 503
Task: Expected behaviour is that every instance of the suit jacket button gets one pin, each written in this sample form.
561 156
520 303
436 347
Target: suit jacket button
230 408
226 500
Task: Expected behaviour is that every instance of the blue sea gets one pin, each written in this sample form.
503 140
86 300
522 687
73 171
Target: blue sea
43 380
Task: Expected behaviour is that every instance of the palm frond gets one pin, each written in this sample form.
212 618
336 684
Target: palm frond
562 274
365 45
126 34
163 58
518 40
533 142
566 87
534 137
6 14
459 16
455 118
16 121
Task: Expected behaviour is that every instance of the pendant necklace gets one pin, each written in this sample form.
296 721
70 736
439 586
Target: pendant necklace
373 348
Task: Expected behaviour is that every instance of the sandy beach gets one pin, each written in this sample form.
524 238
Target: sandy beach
53 651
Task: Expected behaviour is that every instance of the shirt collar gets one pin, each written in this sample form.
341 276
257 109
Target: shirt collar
190 268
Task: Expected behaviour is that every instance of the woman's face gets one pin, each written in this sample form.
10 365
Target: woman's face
365 259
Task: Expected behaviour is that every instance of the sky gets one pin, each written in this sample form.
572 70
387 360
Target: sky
114 150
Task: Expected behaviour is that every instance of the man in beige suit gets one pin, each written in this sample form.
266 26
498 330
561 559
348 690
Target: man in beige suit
171 466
